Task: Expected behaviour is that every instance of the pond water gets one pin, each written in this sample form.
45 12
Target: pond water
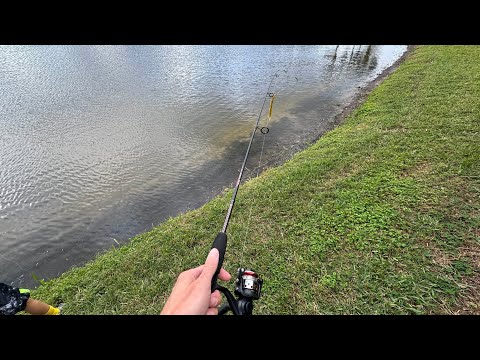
100 143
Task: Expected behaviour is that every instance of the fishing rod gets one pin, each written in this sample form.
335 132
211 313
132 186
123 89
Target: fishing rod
248 284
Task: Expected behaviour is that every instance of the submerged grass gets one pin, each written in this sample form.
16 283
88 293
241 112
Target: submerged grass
379 216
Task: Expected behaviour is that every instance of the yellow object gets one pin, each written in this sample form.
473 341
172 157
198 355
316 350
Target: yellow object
271 106
53 311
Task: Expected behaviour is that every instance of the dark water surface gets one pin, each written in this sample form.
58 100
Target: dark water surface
100 143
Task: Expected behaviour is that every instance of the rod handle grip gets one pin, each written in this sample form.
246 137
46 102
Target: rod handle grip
220 243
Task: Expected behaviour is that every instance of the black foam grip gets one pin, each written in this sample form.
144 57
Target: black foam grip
219 243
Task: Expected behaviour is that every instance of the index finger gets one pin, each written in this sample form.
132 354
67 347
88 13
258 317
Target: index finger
224 275
195 272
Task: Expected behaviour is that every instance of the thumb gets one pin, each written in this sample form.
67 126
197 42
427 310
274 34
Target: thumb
210 265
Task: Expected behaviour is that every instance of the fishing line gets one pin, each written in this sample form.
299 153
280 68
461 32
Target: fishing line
265 131
272 98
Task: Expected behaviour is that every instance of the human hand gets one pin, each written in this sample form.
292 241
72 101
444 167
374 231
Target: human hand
192 294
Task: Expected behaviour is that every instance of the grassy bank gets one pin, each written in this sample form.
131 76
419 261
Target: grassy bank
381 215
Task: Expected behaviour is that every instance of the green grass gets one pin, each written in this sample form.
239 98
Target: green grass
379 216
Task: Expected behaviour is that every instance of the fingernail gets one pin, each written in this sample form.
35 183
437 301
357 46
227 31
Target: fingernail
214 253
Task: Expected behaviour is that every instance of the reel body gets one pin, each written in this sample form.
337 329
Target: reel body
248 287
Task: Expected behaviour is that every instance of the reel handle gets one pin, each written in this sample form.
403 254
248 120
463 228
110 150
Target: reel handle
220 243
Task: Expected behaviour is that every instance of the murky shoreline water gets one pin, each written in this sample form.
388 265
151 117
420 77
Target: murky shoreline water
98 144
